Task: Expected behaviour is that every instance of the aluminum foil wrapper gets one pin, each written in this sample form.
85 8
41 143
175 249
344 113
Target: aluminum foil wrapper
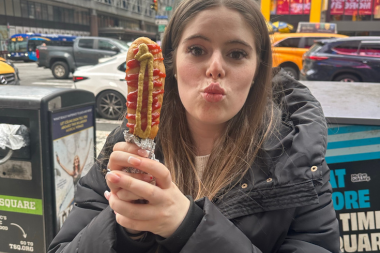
146 144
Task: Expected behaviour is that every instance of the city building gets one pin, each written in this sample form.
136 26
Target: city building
121 19
353 17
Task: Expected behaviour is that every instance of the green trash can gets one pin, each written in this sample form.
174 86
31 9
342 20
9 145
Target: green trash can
37 179
352 111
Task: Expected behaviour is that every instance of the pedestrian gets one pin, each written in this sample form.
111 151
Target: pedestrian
241 150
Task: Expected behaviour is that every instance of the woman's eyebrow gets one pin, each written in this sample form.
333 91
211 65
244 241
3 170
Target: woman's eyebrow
196 36
239 42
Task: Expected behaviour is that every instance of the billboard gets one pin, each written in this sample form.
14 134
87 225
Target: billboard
353 155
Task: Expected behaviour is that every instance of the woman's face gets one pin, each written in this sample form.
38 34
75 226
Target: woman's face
76 161
215 65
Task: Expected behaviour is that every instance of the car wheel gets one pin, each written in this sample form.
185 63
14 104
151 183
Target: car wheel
293 73
60 70
347 78
111 105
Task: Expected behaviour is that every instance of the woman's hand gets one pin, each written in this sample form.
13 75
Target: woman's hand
166 207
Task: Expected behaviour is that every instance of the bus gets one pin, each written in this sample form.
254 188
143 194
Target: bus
23 46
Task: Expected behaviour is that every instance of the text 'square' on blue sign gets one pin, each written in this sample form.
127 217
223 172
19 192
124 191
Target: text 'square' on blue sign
353 155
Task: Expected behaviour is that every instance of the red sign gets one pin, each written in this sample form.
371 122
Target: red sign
306 7
337 7
282 7
365 7
296 7
351 7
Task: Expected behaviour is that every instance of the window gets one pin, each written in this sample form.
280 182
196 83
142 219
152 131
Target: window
2 7
31 10
105 45
86 43
44 10
309 42
347 48
65 15
370 50
9 7
50 13
290 42
57 11
122 67
24 9
38 11
71 16
17 8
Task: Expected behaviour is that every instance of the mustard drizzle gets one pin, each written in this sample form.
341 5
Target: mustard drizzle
146 60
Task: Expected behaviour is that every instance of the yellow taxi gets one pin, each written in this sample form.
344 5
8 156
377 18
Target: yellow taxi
288 49
8 73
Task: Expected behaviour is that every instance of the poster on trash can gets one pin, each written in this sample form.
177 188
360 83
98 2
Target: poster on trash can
73 149
353 155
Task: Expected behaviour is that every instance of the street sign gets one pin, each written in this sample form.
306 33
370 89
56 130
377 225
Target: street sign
169 8
161 17
161 28
161 22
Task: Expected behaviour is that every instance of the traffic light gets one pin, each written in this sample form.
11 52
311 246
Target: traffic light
154 5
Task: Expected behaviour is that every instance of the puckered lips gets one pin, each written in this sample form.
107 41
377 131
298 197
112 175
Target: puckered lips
213 93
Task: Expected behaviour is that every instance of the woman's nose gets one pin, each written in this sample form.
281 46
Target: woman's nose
216 69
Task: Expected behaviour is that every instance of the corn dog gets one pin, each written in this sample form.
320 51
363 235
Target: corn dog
145 76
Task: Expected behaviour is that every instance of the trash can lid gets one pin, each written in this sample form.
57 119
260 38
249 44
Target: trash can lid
31 97
348 103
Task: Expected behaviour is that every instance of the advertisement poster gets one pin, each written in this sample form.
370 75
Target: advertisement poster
73 146
282 7
376 9
3 37
353 155
296 7
273 6
337 7
306 6
351 7
365 7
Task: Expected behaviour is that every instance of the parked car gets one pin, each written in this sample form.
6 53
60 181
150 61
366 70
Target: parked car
107 81
8 73
288 49
354 59
85 51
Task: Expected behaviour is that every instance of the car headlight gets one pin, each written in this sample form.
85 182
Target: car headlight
9 55
26 54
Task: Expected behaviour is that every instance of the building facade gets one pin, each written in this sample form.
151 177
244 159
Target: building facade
353 17
121 19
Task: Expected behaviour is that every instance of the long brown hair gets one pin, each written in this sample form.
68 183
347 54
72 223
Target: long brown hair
236 149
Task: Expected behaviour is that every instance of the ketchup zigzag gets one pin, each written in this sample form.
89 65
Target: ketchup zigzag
132 98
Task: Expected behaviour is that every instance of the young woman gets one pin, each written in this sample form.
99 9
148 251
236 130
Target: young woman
241 150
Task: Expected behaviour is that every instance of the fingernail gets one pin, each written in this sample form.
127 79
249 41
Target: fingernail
147 177
143 152
107 195
134 161
112 177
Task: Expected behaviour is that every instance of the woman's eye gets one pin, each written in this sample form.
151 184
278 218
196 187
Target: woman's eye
196 51
238 55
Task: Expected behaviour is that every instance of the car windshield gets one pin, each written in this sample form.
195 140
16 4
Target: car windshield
17 46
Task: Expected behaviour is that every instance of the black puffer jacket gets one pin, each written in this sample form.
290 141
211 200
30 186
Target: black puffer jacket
285 207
